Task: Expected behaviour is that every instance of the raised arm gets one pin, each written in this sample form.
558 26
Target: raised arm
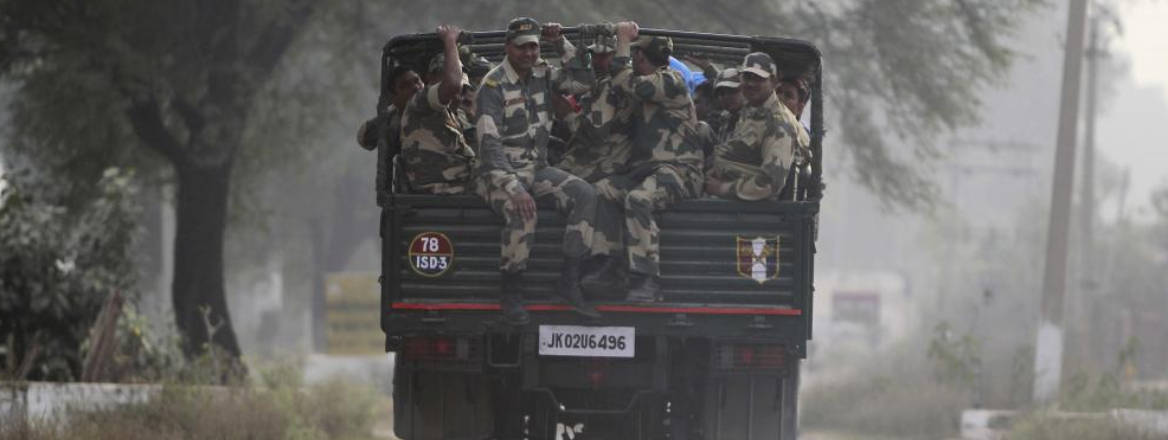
451 84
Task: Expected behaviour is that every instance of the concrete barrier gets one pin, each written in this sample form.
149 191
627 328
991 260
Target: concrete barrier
982 424
51 401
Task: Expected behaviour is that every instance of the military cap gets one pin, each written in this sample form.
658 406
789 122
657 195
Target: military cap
759 64
727 78
603 44
523 30
656 44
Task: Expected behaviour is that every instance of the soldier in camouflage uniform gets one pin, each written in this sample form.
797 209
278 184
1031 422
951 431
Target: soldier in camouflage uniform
383 132
437 158
514 119
730 101
664 166
602 130
753 163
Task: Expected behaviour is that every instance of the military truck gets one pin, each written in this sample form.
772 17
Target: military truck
718 358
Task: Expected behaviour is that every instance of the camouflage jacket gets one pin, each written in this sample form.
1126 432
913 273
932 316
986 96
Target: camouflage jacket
664 122
388 146
756 157
601 133
514 116
437 157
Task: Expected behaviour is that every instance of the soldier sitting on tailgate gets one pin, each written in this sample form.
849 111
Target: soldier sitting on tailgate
513 121
753 163
664 166
383 132
602 130
437 158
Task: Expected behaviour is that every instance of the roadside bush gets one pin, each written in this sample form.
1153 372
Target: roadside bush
1044 426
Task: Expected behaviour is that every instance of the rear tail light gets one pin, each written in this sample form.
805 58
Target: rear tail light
435 348
745 356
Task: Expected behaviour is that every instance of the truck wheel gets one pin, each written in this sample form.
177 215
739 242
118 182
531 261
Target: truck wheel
752 407
440 404
790 396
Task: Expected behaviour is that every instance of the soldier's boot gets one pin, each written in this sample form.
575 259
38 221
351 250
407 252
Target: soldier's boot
602 276
643 288
569 288
511 295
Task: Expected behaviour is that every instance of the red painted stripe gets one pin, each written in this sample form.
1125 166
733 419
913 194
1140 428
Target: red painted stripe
606 308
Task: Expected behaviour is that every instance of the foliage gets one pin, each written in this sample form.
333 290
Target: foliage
1046 426
57 268
894 394
955 360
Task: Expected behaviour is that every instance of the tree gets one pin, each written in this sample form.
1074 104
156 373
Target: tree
57 268
176 78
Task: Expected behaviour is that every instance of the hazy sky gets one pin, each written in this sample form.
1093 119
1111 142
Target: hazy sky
1134 130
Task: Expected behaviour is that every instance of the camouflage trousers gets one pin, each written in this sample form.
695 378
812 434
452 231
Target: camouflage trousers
638 196
595 162
575 200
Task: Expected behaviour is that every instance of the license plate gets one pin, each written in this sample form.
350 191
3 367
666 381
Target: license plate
575 340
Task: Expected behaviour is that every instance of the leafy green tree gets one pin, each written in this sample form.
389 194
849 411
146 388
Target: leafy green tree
108 81
57 268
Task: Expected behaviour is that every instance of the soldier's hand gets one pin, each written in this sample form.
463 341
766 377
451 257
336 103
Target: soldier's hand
561 106
715 186
551 31
627 29
448 33
524 205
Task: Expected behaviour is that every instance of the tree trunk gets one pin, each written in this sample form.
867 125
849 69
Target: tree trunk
201 219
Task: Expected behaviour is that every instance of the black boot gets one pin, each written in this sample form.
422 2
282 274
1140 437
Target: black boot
643 288
602 276
511 294
569 288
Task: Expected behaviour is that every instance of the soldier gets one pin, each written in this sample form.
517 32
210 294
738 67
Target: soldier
514 119
752 164
437 157
383 131
601 140
730 100
665 163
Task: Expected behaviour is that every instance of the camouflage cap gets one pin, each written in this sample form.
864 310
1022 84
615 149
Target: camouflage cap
656 44
603 44
727 78
759 64
523 30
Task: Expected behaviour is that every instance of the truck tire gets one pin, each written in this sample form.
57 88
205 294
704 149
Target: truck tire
436 405
752 407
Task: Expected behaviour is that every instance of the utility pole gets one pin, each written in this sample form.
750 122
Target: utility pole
1049 342
1087 190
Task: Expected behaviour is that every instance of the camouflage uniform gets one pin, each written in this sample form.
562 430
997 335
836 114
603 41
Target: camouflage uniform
514 120
601 140
759 152
437 157
382 133
664 166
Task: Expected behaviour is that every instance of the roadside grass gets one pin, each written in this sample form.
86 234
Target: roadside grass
895 406
277 406
1045 426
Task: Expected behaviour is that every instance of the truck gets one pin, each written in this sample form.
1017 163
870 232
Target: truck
717 358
